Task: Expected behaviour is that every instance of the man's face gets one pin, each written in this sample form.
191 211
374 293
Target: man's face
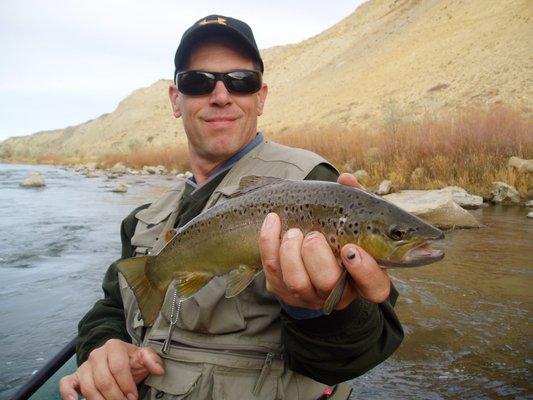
220 123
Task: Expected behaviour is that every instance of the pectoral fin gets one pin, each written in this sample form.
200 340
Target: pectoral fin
336 294
240 278
188 283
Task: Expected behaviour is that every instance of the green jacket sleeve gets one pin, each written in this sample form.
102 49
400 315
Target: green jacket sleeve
106 319
346 343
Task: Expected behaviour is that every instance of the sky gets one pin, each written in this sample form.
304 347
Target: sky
65 62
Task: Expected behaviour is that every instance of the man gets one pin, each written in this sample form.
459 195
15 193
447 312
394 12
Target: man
272 340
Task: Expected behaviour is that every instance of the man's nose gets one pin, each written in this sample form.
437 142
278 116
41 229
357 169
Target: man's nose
220 95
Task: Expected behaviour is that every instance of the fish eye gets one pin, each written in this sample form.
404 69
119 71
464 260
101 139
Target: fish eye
396 233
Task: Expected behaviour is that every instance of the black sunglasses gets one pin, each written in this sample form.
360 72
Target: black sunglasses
196 83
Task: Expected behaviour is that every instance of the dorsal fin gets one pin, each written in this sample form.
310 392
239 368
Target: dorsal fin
253 182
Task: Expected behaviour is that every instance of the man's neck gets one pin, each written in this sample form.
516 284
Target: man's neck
204 168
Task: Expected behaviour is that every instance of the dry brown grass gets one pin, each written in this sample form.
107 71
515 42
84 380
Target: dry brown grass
171 157
470 150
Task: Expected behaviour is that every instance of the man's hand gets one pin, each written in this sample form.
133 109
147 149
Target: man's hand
112 371
302 271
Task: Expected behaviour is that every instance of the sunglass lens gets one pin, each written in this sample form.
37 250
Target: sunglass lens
243 81
196 82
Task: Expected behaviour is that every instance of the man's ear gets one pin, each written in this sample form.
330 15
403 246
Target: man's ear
174 95
262 94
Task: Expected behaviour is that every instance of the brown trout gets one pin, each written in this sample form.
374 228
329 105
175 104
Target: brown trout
224 239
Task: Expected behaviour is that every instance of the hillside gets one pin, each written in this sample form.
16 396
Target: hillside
390 59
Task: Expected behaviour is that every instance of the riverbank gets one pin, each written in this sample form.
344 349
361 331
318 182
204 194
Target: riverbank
470 150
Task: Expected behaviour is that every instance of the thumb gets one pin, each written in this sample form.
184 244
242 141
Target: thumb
349 180
370 280
68 385
146 358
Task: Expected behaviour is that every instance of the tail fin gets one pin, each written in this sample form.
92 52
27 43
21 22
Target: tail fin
149 297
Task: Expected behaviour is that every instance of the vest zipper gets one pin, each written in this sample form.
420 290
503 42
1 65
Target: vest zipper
264 372
202 347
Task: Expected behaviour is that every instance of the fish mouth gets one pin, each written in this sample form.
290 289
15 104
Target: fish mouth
423 254
419 255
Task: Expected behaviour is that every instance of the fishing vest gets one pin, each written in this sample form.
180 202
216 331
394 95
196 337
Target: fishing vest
220 348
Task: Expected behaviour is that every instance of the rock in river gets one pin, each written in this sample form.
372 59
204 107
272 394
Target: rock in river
120 188
434 206
34 180
118 169
385 187
463 198
504 194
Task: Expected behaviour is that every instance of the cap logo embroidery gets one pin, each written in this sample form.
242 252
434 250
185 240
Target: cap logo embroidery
219 20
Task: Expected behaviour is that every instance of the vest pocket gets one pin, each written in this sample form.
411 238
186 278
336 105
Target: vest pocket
178 382
230 385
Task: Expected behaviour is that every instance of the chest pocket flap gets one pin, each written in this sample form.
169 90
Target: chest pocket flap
152 221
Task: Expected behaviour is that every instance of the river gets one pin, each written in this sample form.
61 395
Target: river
467 319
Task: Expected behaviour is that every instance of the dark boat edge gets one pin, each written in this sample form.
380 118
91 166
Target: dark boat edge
49 369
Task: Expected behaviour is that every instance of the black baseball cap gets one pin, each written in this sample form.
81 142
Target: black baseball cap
216 25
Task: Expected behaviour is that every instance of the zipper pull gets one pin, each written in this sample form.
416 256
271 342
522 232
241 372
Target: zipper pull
264 372
166 343
173 321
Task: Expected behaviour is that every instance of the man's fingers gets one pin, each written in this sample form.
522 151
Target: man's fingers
371 281
349 180
295 275
105 382
118 361
320 263
87 387
68 387
269 244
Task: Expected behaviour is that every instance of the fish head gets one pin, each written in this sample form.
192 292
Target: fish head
396 238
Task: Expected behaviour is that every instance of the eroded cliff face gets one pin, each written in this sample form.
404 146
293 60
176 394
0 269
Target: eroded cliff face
390 59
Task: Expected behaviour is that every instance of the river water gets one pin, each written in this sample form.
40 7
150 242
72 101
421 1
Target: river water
467 319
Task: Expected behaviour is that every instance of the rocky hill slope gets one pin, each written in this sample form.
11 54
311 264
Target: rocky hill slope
390 59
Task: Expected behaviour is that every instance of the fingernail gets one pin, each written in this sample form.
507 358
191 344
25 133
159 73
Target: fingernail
292 233
131 396
311 234
269 221
353 255
71 397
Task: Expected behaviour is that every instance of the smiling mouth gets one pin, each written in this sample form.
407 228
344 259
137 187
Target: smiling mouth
220 119
220 122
